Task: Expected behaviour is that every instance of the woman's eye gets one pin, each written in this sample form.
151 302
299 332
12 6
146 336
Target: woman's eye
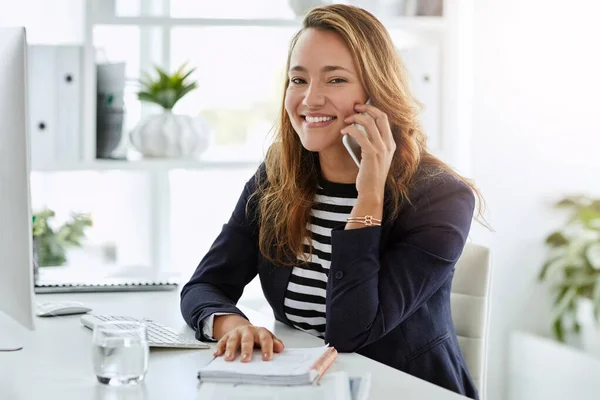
337 80
297 81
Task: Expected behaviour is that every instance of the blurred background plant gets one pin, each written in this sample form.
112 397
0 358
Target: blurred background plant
573 265
166 89
51 243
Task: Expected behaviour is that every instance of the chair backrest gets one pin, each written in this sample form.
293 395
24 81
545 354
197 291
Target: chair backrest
470 302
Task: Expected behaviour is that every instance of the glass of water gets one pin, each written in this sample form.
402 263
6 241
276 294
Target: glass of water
120 352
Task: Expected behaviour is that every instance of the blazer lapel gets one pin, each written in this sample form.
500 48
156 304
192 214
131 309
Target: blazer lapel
275 286
387 224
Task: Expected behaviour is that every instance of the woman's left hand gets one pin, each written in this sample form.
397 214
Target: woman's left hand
378 147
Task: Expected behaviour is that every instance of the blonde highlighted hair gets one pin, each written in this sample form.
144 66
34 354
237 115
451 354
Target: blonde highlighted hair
286 196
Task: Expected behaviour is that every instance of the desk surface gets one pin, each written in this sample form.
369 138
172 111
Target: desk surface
56 362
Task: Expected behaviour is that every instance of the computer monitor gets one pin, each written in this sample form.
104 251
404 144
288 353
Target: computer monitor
16 271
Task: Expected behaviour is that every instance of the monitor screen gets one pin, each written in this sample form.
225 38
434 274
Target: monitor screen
16 271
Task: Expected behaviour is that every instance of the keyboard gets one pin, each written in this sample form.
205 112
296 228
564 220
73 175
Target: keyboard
158 335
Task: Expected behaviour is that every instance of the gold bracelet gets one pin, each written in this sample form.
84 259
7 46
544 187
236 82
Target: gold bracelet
367 220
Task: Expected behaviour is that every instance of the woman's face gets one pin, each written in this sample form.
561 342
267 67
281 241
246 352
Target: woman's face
323 89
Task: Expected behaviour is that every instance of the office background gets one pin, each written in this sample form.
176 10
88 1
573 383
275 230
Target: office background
531 137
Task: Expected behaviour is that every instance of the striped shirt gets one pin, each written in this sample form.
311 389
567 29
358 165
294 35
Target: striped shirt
304 302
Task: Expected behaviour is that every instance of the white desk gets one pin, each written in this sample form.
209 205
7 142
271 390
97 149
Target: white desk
56 361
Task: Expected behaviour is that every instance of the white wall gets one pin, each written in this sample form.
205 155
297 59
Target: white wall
536 138
47 21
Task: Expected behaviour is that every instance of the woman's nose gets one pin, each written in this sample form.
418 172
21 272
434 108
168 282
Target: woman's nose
313 97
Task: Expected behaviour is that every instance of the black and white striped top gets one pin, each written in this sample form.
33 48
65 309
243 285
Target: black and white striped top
305 296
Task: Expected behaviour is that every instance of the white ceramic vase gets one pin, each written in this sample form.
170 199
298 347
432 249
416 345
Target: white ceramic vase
169 135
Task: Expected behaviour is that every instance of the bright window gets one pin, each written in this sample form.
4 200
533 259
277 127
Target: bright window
238 96
231 9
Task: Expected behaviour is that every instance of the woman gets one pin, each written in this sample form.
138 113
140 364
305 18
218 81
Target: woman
361 256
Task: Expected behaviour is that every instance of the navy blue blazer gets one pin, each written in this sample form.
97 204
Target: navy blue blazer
388 289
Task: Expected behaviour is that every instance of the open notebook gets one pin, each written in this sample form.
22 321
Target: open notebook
291 367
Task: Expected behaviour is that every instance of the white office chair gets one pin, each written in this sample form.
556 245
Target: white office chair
470 302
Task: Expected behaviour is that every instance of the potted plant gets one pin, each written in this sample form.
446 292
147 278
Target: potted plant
51 244
573 266
168 134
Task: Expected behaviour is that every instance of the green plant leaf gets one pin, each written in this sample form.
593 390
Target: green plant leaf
185 91
146 96
577 281
571 271
576 327
573 201
556 239
168 98
560 295
187 74
562 303
592 255
550 266
596 299
162 75
558 329
586 215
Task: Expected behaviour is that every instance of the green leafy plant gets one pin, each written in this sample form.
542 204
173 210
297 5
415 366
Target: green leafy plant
166 89
573 264
51 244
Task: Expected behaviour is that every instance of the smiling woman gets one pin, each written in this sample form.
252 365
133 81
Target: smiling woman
360 256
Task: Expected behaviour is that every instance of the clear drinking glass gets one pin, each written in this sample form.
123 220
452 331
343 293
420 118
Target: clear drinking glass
120 352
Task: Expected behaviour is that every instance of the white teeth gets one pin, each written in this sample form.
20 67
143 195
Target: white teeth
317 119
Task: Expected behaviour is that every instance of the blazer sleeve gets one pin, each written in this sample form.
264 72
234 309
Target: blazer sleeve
371 291
230 264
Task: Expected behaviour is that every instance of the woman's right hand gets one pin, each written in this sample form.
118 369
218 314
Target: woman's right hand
245 337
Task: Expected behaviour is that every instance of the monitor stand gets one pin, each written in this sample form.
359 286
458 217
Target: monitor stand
9 334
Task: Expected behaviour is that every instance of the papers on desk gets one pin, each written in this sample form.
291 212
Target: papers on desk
102 278
291 367
333 386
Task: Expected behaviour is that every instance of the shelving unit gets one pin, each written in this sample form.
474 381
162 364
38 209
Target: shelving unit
452 32
150 165
410 23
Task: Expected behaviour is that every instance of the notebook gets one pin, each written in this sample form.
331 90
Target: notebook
300 366
333 386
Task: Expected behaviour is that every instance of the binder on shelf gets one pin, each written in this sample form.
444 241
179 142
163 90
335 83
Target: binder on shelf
69 103
42 103
55 97
110 109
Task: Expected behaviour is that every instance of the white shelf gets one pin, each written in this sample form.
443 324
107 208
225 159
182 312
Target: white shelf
157 165
411 23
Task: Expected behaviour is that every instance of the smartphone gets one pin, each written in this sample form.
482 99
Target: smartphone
352 145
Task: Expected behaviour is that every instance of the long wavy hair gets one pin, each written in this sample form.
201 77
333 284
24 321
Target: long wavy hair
286 196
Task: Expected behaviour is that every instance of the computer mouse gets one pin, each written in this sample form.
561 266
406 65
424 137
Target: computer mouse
57 308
